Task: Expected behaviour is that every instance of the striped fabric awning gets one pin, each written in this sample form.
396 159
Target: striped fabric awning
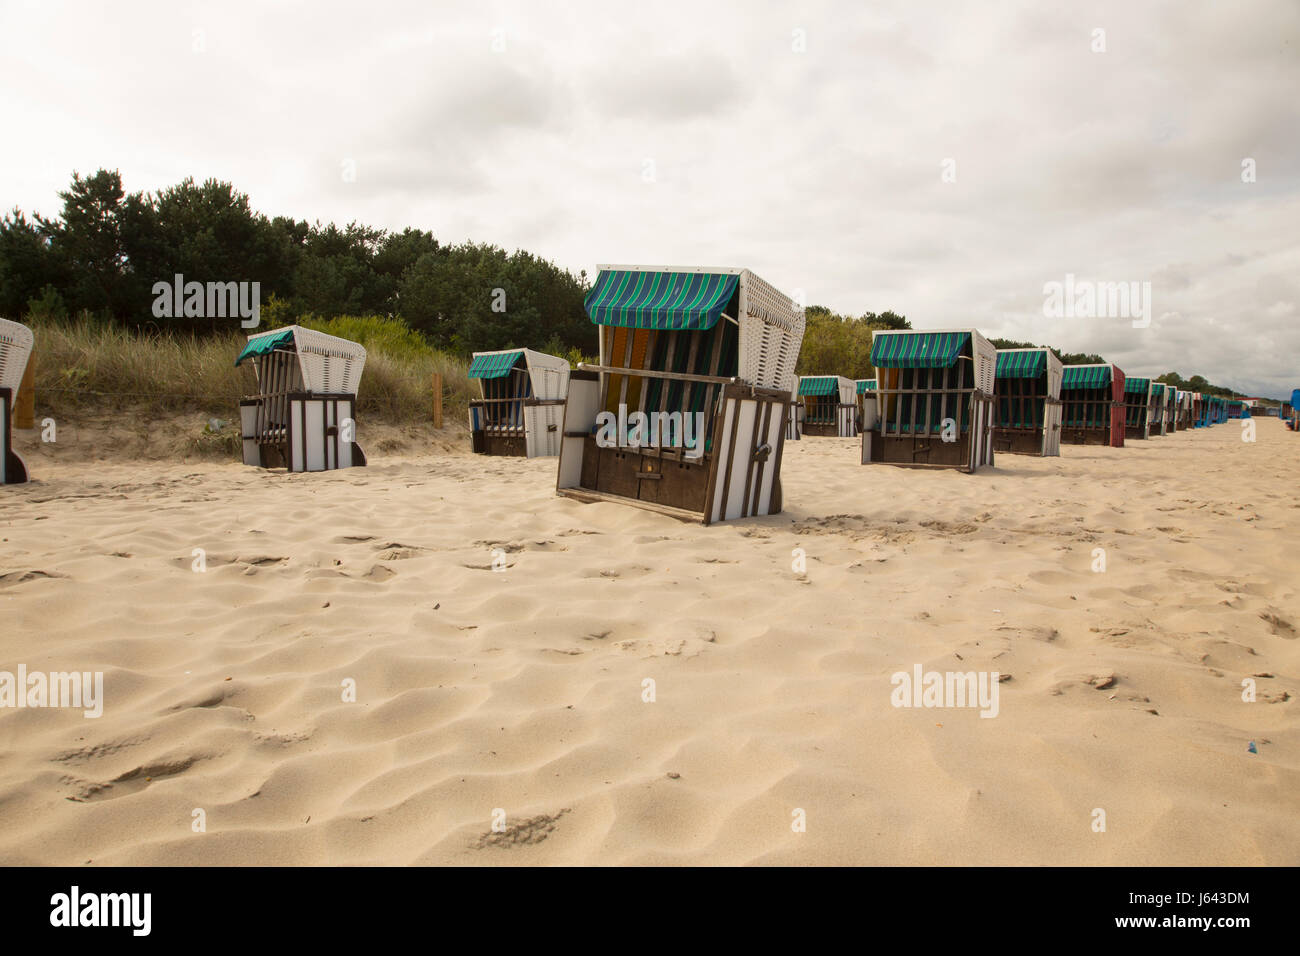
917 349
671 301
819 385
1029 363
1139 385
1086 376
1158 389
494 364
264 344
866 385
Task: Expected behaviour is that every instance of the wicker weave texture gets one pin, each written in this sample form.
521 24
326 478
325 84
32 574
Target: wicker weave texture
15 349
771 332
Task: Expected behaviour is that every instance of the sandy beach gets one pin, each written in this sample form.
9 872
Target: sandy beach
521 692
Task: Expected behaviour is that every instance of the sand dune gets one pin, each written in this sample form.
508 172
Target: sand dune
522 689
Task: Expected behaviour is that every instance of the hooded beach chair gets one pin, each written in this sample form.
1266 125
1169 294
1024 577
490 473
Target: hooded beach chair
1159 409
1027 402
934 399
521 406
1137 408
1200 411
303 416
1092 405
15 351
687 412
830 406
1183 419
1171 409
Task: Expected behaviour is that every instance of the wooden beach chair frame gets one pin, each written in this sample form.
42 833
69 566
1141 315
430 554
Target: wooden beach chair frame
729 355
1092 405
950 373
830 406
303 417
520 408
16 343
1027 402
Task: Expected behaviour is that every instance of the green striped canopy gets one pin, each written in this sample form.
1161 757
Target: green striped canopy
1141 385
866 385
1086 376
1158 389
494 364
1029 363
917 349
672 301
819 385
264 344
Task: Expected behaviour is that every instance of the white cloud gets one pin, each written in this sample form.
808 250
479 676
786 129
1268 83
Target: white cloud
820 170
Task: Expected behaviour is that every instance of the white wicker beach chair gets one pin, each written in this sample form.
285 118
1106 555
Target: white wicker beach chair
830 405
935 399
1027 402
303 416
683 344
520 409
16 343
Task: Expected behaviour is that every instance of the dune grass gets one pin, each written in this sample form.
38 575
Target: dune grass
84 363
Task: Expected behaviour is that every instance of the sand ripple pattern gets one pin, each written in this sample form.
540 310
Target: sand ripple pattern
521 690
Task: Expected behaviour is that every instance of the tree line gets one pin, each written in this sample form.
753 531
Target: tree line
107 248
1196 383
835 344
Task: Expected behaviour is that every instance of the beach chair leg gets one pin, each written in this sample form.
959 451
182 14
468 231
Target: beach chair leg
15 472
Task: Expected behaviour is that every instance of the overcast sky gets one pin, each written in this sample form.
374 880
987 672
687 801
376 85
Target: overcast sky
804 141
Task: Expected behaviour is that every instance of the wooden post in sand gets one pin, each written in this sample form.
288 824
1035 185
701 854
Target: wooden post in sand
437 400
25 404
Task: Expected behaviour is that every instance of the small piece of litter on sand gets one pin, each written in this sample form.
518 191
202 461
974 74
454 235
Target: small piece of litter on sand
1251 748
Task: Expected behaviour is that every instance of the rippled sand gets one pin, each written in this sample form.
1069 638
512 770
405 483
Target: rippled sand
522 690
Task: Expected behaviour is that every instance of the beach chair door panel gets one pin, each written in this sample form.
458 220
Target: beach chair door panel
747 442
317 432
12 469
579 418
1052 429
542 430
248 420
